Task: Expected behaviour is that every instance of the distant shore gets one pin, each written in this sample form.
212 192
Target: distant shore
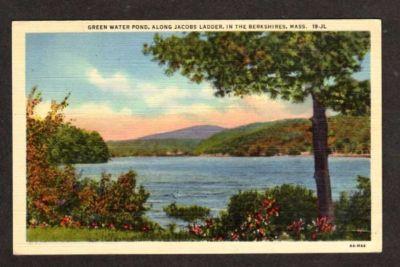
303 154
350 155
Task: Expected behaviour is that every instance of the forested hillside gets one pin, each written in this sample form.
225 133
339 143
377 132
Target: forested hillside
347 134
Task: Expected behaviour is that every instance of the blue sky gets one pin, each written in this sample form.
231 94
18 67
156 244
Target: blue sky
107 73
61 63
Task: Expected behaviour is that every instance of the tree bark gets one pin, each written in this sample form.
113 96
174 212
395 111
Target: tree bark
321 152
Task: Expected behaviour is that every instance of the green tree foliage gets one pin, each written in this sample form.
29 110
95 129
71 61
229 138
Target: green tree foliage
73 145
188 214
353 212
292 65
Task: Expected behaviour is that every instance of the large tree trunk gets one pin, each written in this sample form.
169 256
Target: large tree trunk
321 174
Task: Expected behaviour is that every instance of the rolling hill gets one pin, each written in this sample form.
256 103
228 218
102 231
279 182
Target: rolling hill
195 132
178 142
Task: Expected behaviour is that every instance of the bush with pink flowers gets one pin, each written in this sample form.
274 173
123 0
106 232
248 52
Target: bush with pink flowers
260 225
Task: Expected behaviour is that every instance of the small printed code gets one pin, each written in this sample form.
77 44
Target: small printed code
358 245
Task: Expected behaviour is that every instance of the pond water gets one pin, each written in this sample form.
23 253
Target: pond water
210 181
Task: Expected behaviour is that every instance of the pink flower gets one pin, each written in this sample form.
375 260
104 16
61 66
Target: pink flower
296 226
196 229
234 236
323 225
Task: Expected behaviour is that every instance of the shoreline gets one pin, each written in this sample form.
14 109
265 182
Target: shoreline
304 154
350 155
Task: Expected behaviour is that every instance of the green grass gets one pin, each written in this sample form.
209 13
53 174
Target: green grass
74 234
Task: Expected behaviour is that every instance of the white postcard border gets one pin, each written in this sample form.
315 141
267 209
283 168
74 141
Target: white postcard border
22 247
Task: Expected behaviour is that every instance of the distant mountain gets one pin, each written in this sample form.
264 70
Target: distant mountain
195 132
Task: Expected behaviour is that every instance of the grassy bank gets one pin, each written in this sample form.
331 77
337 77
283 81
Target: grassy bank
51 234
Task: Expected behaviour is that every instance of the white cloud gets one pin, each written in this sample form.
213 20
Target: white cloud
116 83
174 99
164 96
99 110
154 95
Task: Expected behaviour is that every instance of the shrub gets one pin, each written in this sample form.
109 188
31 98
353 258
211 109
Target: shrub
51 190
353 212
239 207
114 204
296 202
257 225
188 214
279 211
320 229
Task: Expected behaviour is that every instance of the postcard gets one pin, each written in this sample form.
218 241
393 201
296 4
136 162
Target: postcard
197 136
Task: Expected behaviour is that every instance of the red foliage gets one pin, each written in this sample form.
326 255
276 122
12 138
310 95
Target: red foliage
296 228
55 196
49 189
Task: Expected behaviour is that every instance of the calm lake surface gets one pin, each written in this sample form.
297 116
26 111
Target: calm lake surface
210 181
